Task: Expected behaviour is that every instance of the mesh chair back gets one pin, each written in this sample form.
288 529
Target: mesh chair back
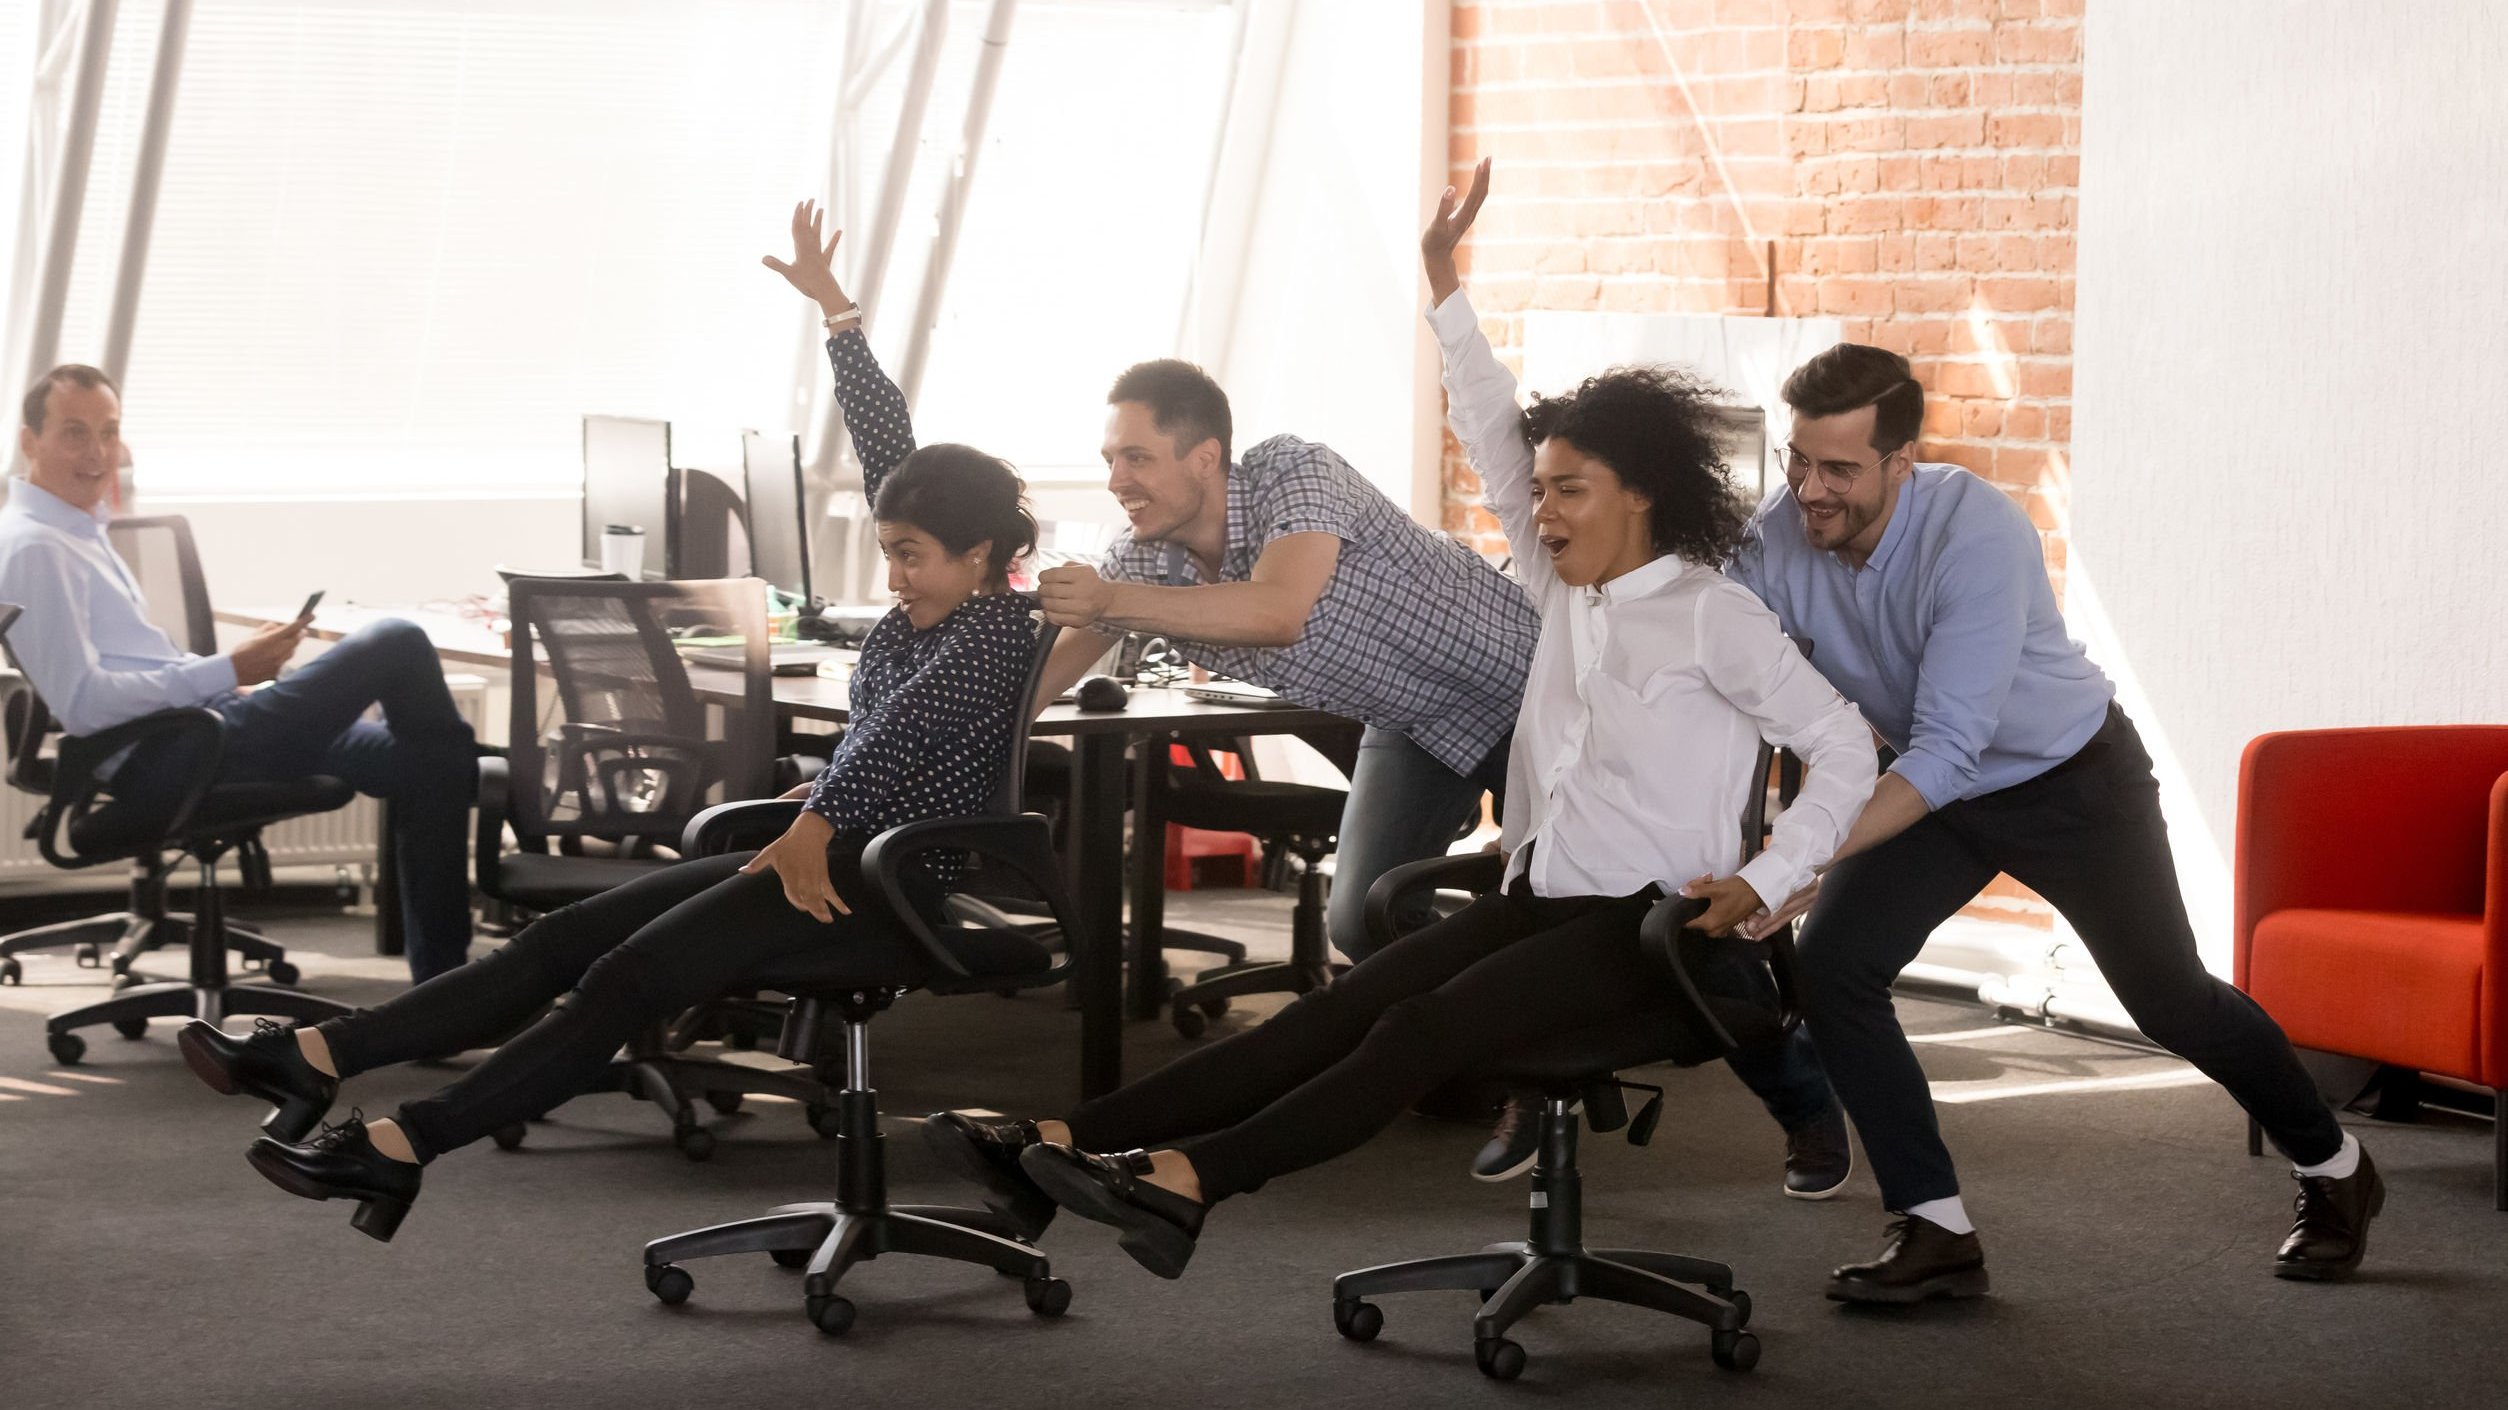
610 736
161 555
28 723
1010 796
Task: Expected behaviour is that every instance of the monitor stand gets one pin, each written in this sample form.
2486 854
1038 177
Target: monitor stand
811 626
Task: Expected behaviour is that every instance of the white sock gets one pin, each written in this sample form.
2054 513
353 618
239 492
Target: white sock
1949 1213
2342 1166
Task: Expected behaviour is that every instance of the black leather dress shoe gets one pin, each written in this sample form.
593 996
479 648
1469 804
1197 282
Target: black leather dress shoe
1818 1156
1514 1144
341 1163
1157 1226
2332 1229
1921 1260
987 1152
268 1065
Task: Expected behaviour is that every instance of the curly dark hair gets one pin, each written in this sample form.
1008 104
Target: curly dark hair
1658 431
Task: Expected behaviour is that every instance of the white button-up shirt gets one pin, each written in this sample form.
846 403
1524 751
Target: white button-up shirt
85 639
1649 695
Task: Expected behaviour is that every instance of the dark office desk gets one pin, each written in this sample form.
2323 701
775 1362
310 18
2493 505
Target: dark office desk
1099 743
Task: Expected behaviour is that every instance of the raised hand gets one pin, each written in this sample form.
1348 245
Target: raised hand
813 267
1445 231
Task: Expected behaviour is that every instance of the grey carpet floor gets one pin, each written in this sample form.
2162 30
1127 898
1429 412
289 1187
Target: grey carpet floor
142 1262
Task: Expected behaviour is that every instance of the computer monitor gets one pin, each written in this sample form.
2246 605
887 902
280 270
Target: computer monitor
1744 433
779 531
628 479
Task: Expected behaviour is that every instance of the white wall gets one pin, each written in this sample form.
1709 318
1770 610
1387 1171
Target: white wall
379 552
2292 347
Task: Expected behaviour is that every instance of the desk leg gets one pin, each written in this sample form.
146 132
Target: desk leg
1097 964
388 939
1147 992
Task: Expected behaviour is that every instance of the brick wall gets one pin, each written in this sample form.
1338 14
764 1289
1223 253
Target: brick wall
1910 163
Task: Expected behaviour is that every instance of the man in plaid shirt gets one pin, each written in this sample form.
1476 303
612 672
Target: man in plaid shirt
1287 569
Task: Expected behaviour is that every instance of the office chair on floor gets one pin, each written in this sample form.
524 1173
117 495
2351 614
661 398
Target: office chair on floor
631 756
160 554
82 825
1293 819
1552 1264
835 995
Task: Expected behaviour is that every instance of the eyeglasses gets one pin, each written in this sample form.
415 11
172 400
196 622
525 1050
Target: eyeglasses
1838 476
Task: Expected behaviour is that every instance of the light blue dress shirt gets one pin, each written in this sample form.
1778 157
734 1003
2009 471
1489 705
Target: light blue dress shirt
1948 639
85 639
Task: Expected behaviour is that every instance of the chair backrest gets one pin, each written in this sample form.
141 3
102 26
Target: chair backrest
621 745
159 550
1010 795
27 722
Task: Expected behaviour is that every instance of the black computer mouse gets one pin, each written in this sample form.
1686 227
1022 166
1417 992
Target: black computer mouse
1101 694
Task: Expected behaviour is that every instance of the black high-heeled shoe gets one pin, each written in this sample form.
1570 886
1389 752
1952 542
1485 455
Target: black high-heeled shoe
987 1153
268 1065
342 1163
1156 1226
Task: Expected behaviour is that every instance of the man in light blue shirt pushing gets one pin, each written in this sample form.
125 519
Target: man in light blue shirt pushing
1925 596
88 645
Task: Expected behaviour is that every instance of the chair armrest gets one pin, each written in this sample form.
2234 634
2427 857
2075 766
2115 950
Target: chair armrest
1659 936
1023 842
1477 872
2388 819
730 827
75 784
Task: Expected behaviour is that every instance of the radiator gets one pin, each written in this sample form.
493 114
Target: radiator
342 837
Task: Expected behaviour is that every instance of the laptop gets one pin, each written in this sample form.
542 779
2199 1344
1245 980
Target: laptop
783 658
1238 693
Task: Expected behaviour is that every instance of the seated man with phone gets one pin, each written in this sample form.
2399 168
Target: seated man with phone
87 644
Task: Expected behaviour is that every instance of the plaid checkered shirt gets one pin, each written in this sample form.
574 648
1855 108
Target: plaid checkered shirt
1414 633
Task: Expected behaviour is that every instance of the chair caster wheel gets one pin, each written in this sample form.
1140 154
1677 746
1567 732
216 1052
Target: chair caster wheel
283 972
740 1040
125 980
1048 1297
67 1048
823 1121
121 963
694 1142
90 954
1735 1351
1213 1007
509 1138
1740 1301
1359 1321
1188 1021
131 1027
11 972
724 1103
669 1282
830 1314
790 1257
1499 1359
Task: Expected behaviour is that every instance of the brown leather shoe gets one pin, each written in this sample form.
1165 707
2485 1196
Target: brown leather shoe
1921 1260
2331 1230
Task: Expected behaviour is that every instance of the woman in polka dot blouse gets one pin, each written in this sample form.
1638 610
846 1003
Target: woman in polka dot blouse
932 708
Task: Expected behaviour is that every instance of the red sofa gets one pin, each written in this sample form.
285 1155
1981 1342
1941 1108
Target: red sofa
2372 898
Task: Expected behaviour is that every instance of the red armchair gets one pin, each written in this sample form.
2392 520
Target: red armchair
2372 909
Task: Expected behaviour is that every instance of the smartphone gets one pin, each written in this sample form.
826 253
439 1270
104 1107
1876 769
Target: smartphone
305 613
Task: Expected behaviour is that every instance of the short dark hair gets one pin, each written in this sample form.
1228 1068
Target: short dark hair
1658 431
77 374
1852 376
1183 400
962 497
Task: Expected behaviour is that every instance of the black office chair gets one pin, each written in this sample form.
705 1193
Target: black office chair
161 555
1552 1264
598 795
834 997
1293 820
82 825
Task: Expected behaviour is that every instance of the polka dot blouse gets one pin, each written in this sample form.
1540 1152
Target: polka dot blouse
931 710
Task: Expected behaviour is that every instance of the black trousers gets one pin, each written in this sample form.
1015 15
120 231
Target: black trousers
2088 836
623 959
1341 1063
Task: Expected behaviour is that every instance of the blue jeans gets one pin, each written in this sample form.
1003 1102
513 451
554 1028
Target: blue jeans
1405 806
422 759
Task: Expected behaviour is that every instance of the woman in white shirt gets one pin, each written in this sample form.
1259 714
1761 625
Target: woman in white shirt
1654 680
